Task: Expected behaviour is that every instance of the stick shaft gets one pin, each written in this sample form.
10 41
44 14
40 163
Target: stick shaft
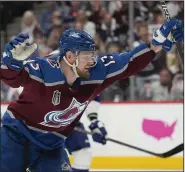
180 46
167 154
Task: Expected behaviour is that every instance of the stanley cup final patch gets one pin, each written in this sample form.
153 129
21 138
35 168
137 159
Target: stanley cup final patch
56 97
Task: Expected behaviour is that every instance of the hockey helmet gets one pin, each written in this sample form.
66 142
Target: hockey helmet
75 41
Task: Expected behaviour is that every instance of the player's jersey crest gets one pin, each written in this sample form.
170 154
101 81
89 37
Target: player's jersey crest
56 97
65 117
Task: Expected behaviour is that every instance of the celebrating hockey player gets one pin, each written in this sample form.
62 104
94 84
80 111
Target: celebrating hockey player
78 144
56 94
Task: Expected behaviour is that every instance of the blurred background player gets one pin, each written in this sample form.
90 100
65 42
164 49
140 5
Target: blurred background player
78 144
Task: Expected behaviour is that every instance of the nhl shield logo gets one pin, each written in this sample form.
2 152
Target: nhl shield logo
66 167
56 97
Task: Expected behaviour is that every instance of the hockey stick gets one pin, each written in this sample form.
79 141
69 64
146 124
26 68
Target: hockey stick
180 46
167 154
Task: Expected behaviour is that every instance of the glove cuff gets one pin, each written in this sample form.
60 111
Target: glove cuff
12 63
158 36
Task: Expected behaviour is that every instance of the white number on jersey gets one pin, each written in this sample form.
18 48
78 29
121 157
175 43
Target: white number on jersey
107 60
34 66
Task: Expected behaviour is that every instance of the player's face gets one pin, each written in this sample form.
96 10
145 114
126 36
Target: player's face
86 60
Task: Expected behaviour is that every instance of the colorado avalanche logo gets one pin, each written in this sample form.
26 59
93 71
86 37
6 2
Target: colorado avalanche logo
57 119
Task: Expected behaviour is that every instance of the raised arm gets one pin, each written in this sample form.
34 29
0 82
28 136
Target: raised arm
16 69
124 65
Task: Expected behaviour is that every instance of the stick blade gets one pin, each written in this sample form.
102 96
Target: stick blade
173 151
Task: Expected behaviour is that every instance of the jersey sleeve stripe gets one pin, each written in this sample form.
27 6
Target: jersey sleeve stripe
91 82
117 72
140 53
11 114
33 76
131 59
41 80
54 83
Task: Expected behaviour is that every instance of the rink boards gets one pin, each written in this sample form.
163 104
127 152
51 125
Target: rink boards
140 162
157 127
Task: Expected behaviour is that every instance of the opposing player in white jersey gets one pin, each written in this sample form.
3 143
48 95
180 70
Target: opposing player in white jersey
78 144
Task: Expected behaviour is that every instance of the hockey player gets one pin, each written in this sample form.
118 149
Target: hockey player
56 94
77 143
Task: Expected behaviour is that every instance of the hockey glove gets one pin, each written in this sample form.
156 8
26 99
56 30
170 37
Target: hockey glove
18 50
178 33
160 37
100 133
